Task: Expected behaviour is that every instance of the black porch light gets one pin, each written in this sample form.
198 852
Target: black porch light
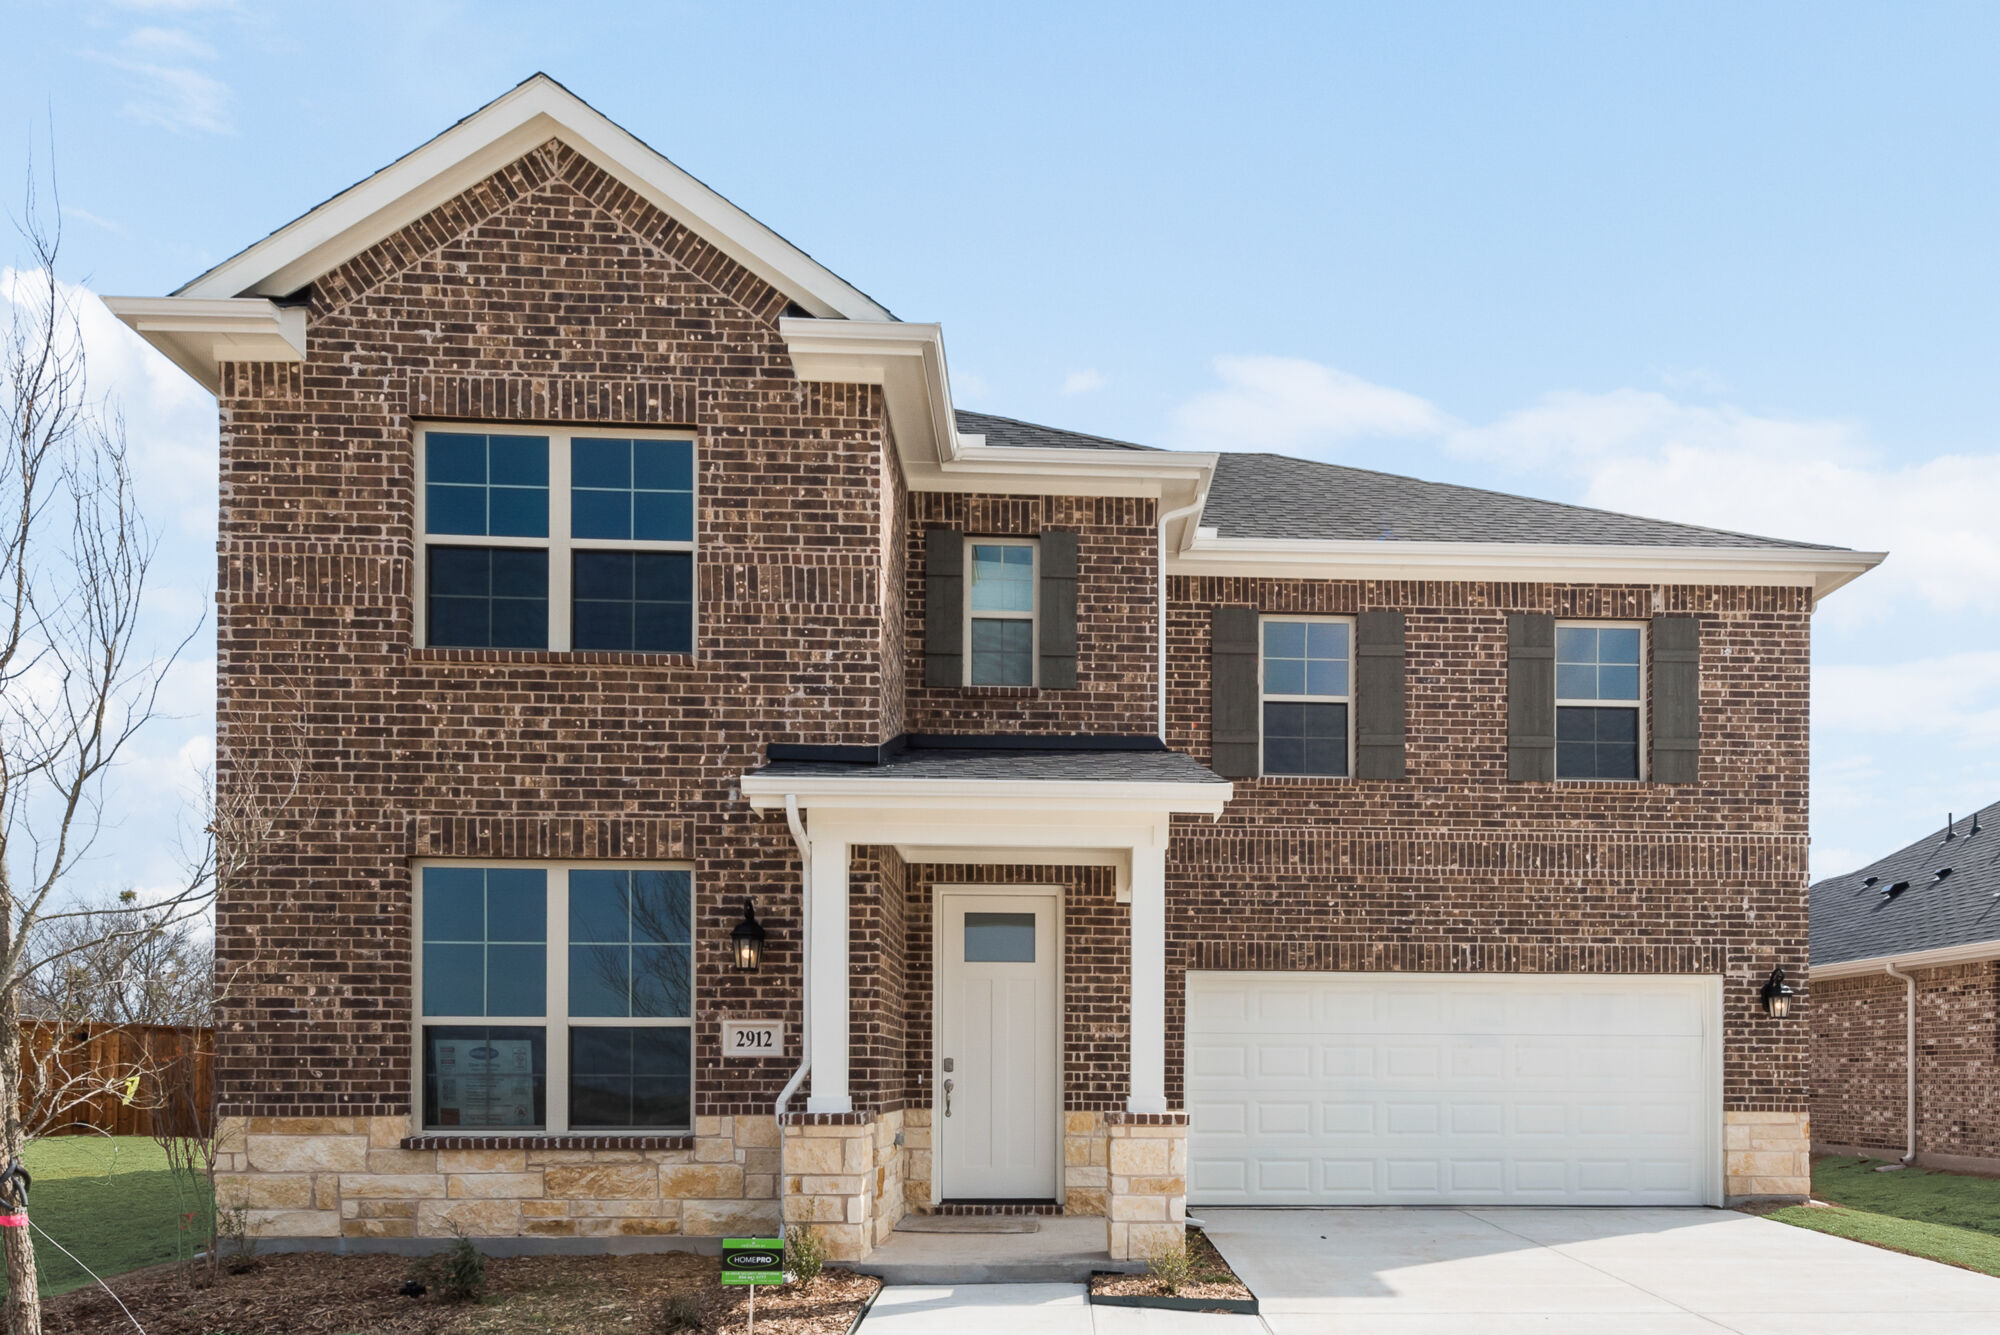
747 939
1777 994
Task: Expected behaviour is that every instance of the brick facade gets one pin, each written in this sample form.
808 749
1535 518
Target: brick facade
549 293
1860 1065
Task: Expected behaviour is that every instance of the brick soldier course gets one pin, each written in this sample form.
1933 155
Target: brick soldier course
552 292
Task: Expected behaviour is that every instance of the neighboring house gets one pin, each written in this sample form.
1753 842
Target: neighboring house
1906 957
618 564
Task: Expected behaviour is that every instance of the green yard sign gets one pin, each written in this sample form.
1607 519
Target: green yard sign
753 1260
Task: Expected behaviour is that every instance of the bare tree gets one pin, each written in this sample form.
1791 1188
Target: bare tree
125 963
76 684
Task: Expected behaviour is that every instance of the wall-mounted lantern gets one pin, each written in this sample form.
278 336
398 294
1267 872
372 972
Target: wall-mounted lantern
748 939
1777 994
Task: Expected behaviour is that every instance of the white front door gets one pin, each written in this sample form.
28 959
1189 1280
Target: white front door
995 1108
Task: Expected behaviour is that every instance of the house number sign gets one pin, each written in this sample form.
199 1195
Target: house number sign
753 1038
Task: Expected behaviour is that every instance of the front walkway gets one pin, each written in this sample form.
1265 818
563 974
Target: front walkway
1031 1309
1501 1271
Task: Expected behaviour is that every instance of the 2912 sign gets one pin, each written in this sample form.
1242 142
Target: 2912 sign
753 1038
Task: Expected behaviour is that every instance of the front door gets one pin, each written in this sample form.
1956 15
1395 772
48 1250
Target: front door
995 1108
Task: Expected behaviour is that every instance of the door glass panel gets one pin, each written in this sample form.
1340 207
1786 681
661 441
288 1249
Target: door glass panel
999 938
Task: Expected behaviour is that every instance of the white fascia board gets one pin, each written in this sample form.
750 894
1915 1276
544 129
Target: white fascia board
1002 801
198 334
500 132
905 358
1940 958
1821 570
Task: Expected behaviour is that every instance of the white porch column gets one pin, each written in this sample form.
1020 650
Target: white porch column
830 1027
1149 974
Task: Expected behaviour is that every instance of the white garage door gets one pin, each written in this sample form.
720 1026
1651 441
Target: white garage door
1433 1089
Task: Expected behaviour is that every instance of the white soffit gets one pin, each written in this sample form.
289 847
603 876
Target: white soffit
503 130
1819 569
1075 806
200 333
1940 958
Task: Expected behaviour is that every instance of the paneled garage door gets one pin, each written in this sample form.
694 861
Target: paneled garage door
1434 1089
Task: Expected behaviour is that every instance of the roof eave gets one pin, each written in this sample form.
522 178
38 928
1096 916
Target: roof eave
1941 957
530 114
199 334
1823 570
864 792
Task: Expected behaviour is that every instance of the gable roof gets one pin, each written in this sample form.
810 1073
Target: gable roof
535 111
1279 497
1852 919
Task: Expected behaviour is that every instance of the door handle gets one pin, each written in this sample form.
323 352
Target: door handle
947 1098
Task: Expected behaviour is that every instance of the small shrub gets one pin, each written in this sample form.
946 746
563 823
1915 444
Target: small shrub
233 1246
457 1274
1172 1268
805 1254
681 1311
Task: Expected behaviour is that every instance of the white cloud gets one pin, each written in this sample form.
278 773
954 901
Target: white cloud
168 43
1082 382
175 97
1289 403
1954 696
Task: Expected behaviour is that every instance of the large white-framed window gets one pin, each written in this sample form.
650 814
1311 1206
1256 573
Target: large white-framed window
1001 607
1306 689
1600 700
554 997
556 538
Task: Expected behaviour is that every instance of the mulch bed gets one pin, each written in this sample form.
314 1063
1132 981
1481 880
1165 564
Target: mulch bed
313 1293
1211 1278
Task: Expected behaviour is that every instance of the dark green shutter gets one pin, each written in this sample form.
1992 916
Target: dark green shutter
944 607
1531 695
1378 695
1056 617
1676 702
1234 727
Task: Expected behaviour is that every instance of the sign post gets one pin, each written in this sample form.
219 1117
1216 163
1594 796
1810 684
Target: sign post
753 1261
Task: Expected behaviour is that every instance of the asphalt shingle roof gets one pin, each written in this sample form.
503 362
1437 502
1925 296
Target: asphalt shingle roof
1101 766
1853 920
1276 496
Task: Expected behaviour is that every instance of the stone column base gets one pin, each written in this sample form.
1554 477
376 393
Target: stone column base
844 1178
1766 1156
1146 1206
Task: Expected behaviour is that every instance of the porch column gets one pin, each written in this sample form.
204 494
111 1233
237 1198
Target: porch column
1149 974
828 947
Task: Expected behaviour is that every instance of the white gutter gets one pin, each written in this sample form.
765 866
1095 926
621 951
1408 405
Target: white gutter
1940 958
1909 1060
805 959
1160 594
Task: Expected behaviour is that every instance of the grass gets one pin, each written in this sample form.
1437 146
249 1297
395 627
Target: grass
112 1201
1945 1217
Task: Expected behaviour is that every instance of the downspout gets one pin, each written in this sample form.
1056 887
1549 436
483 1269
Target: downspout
1909 1060
1166 519
805 990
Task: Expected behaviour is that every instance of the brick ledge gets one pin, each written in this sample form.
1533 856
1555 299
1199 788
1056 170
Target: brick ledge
435 1142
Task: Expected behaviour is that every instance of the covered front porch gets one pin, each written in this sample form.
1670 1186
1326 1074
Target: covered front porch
985 973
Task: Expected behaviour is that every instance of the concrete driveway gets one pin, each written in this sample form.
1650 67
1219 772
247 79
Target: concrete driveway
1554 1272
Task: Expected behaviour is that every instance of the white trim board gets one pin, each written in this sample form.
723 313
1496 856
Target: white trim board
1939 958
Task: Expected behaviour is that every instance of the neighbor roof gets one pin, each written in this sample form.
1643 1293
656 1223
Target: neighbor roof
1277 496
1852 919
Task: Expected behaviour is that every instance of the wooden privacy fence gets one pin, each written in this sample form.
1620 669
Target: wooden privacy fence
117 1079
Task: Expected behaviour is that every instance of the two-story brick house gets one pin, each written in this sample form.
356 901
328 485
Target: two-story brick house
1125 828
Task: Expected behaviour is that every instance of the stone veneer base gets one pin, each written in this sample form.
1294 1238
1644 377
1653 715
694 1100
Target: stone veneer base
1767 1156
1146 1209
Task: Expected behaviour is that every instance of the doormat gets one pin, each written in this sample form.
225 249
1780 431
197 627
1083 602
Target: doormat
978 1223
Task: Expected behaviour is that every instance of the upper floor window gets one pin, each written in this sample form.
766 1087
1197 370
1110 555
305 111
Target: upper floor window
562 540
555 997
1000 611
1307 695
1599 700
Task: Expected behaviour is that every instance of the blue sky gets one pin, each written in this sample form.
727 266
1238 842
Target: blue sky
1725 263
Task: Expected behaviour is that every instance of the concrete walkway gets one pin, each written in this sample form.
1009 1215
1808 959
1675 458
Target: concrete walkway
1030 1309
1583 1272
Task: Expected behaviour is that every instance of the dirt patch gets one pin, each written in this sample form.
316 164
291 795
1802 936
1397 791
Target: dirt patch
312 1293
1209 1276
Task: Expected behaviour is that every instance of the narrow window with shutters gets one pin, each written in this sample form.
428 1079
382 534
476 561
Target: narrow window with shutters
1308 695
1001 596
1599 706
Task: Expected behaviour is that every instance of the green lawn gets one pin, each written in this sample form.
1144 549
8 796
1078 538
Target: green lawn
1943 1216
111 1200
